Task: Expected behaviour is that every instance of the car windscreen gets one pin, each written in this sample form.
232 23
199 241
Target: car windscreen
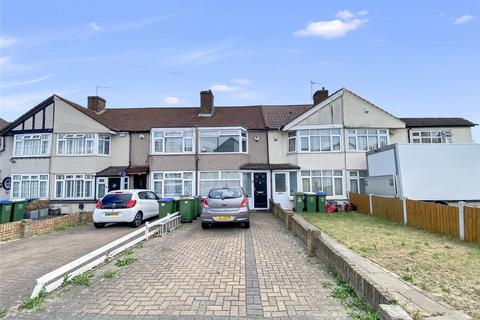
225 193
116 200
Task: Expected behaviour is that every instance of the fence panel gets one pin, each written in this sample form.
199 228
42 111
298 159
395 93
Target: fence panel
387 208
361 201
432 216
472 224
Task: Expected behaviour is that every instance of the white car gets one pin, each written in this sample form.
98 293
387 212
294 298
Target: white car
132 206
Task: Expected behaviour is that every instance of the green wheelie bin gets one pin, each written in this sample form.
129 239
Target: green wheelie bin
299 204
18 210
5 211
321 201
311 201
187 209
175 205
165 207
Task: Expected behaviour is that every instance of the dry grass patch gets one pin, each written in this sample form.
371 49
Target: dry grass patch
441 265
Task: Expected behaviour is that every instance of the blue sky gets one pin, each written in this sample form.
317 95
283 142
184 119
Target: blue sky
412 58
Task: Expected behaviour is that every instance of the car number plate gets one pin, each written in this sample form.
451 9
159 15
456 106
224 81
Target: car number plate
224 218
112 214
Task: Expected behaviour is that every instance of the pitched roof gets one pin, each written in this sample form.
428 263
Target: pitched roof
437 122
3 123
271 166
277 116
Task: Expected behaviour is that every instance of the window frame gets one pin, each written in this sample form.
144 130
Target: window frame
446 136
171 130
219 178
318 133
356 134
163 179
75 177
358 177
24 177
22 136
322 176
242 137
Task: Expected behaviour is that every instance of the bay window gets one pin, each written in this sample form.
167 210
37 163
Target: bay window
328 181
104 144
83 144
431 136
32 145
316 140
357 181
29 186
218 179
173 184
168 141
74 186
223 140
367 139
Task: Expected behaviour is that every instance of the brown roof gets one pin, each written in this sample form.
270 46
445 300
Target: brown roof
436 122
271 166
3 123
278 116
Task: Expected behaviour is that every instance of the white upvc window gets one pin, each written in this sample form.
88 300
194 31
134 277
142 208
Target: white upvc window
2 143
357 180
367 139
317 140
328 181
173 183
172 141
74 186
32 145
292 141
224 140
29 186
217 179
104 144
78 144
431 136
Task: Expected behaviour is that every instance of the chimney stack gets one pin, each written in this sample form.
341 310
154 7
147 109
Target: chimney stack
319 96
96 103
206 104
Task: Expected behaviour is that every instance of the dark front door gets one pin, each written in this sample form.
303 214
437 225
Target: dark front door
260 196
140 181
113 184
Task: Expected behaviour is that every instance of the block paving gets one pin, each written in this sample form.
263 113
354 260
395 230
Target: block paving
219 273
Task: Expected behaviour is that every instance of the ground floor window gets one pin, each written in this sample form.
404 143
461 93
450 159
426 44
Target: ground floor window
328 181
218 179
74 186
30 186
357 181
173 184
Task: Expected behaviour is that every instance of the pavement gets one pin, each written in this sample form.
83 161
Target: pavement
23 261
219 273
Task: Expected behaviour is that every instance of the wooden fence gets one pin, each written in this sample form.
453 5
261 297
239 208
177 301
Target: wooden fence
424 215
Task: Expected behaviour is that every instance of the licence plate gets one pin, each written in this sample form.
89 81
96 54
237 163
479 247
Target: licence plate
112 214
223 218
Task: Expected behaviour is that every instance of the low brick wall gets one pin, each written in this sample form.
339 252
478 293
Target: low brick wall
27 228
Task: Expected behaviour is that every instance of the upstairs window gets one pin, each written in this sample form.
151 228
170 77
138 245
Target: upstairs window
367 139
292 141
83 144
104 144
32 145
319 140
172 141
431 136
223 141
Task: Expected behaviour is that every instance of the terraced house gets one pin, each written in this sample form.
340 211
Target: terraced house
73 155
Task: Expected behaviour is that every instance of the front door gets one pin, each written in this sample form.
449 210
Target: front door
114 184
281 190
260 195
140 181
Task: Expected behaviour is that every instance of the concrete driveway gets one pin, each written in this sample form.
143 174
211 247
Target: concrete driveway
217 273
23 261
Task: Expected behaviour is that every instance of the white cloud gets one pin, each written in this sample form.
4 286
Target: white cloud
7 41
94 26
25 82
362 13
234 85
463 19
173 101
241 82
7 65
329 29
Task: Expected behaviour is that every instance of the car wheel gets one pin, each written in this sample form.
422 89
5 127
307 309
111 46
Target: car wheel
137 221
205 226
98 225
246 225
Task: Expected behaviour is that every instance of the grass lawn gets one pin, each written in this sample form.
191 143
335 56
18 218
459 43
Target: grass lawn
441 265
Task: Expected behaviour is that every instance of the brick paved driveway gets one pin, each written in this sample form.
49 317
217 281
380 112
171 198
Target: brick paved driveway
207 274
22 261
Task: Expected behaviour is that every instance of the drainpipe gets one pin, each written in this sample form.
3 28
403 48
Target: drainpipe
268 163
197 159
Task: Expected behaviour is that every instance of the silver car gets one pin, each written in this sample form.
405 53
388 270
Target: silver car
225 205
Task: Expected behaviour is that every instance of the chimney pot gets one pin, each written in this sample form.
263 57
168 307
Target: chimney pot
319 96
207 106
96 103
